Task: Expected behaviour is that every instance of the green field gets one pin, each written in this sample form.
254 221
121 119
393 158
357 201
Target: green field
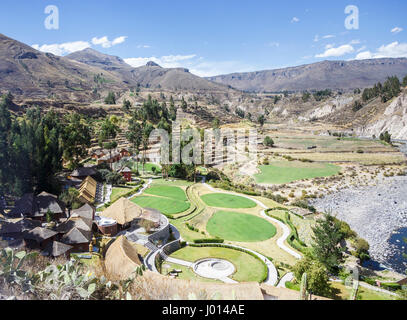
175 193
281 172
164 205
223 200
241 227
247 267
167 199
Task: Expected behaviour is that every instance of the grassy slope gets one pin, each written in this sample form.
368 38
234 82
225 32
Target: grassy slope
167 199
240 227
221 200
247 267
284 172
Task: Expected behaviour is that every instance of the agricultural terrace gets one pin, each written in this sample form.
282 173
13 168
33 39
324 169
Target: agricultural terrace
248 268
280 172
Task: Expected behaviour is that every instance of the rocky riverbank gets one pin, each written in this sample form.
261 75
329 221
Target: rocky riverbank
375 213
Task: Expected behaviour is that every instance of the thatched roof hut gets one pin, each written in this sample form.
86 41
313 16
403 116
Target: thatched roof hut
123 211
86 211
39 234
121 259
33 206
83 172
77 236
87 190
80 223
56 249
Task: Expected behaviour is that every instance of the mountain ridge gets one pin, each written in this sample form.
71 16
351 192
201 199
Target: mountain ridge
335 75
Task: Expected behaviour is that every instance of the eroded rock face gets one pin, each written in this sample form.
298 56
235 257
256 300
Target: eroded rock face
394 121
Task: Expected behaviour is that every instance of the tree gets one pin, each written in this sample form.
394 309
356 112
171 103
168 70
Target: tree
215 123
306 96
76 138
111 98
70 198
386 137
184 105
261 119
404 81
268 142
134 135
327 238
146 131
317 276
108 132
126 105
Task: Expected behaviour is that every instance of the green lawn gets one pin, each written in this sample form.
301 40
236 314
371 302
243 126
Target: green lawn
281 172
167 199
223 200
241 227
118 192
175 193
247 267
164 205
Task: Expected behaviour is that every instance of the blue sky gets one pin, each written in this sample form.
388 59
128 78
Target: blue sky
213 37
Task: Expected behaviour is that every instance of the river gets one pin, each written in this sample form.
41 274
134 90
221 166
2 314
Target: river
379 215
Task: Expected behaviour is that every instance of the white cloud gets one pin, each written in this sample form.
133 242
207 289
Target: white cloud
328 36
396 30
143 46
106 43
357 41
361 49
62 48
171 61
392 50
336 52
273 44
294 20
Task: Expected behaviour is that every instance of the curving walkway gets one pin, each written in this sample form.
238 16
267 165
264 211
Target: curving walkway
286 278
272 274
142 189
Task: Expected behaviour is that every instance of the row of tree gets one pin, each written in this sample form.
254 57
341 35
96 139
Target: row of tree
32 148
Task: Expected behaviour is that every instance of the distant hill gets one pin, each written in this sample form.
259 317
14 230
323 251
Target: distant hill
85 75
151 75
27 72
340 75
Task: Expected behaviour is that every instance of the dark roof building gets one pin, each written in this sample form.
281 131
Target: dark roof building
39 234
33 206
86 211
80 223
56 249
77 236
83 172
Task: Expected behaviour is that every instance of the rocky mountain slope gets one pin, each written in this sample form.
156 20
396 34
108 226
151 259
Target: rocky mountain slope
336 75
149 76
393 120
27 72
85 76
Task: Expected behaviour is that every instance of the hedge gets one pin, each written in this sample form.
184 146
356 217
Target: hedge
208 240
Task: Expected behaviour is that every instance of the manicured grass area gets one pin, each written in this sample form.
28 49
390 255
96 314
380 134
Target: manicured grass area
343 293
149 167
281 172
247 267
175 193
241 227
223 200
117 192
165 205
